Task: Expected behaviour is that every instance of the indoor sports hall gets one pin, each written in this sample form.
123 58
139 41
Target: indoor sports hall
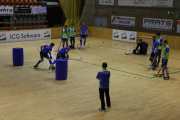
73 90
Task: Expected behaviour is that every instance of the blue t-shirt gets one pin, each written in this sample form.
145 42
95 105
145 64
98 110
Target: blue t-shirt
103 77
167 49
155 44
63 50
83 30
46 49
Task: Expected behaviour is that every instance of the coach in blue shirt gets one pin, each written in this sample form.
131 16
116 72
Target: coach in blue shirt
103 77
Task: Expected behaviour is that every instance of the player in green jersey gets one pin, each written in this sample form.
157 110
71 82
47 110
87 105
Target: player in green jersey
160 40
65 36
72 32
165 58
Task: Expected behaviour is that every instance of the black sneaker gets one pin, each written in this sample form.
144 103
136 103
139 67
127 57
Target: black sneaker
35 66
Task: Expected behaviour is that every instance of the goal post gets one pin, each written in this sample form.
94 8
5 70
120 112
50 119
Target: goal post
146 39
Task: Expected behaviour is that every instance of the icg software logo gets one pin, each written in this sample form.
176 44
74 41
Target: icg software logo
3 36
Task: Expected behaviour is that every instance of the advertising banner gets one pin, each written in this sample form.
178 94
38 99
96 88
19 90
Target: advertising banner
38 10
6 10
143 3
178 26
122 35
157 24
126 2
22 10
106 2
116 34
163 3
123 21
20 36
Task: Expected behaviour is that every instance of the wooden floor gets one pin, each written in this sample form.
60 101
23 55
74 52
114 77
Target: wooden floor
34 94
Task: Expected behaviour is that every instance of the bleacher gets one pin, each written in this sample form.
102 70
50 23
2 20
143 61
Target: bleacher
21 20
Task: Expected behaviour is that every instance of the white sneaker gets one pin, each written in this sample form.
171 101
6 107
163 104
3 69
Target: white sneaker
50 67
79 46
83 47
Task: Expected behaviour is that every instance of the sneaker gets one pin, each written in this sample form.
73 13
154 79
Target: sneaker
157 64
166 77
53 68
108 107
161 74
83 47
79 46
101 110
154 68
35 66
50 67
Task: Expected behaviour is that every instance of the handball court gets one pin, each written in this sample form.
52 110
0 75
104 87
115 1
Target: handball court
136 94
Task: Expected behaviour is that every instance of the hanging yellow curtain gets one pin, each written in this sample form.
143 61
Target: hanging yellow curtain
71 10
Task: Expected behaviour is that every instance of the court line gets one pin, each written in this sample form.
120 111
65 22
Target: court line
116 69
147 78
117 59
125 71
131 50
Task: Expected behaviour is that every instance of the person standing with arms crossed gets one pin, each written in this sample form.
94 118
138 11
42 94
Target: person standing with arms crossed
65 36
103 77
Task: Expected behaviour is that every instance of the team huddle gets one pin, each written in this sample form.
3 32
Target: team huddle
63 53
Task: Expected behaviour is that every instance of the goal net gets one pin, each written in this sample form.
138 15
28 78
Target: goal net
148 40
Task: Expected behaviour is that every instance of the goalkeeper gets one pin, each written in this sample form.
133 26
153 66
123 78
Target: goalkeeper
143 48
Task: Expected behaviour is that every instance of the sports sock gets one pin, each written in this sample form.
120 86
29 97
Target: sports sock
66 43
63 44
84 42
71 43
80 42
50 62
38 62
158 60
54 62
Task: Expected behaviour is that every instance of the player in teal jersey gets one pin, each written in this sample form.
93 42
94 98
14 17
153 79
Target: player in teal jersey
165 58
160 40
72 32
65 35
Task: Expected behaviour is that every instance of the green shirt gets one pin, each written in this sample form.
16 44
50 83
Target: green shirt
160 42
65 33
164 53
72 32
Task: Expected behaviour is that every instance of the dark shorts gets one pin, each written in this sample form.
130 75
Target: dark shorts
83 36
43 54
60 55
64 39
72 38
152 54
164 63
159 52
